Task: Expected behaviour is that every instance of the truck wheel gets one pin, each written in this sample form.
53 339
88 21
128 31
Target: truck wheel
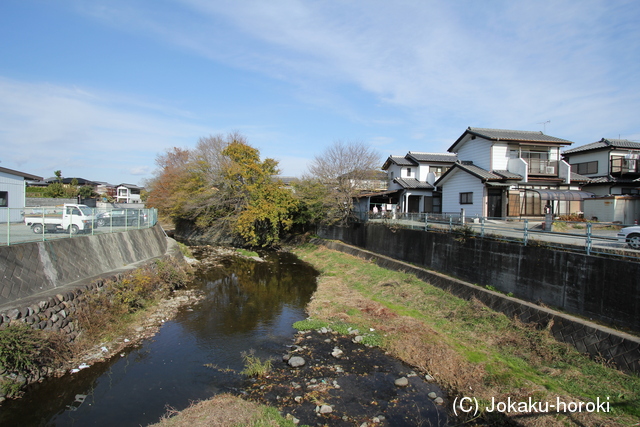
633 240
74 229
37 228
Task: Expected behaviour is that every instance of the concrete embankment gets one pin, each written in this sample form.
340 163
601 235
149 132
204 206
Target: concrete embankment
32 272
541 279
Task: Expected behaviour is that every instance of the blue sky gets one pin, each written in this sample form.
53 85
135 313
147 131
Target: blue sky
99 88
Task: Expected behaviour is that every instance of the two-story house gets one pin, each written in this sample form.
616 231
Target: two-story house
510 173
412 178
612 166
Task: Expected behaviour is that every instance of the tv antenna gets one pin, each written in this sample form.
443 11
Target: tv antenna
544 124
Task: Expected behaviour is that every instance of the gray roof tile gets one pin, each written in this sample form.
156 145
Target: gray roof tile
413 183
507 175
605 143
516 135
432 157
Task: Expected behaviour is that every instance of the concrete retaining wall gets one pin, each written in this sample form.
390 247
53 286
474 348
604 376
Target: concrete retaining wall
501 265
29 269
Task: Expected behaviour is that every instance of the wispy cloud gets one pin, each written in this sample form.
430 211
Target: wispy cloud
501 64
55 127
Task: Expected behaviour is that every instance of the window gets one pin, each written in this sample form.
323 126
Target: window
437 170
4 199
466 198
586 168
409 172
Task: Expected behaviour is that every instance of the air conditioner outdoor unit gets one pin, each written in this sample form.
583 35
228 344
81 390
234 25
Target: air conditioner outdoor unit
550 170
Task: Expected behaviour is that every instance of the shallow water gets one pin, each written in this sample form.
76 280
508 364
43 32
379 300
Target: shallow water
248 305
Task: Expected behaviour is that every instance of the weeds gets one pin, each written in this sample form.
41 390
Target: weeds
106 313
253 366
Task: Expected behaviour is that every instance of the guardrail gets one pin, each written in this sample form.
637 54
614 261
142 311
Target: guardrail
580 236
40 224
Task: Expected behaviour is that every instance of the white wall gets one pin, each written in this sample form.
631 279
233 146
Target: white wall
15 187
499 157
461 182
478 151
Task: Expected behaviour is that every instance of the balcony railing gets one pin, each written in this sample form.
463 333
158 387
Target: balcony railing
542 167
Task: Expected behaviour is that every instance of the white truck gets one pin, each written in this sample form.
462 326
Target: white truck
70 218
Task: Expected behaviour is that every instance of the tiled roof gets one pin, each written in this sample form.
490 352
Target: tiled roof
507 175
400 161
516 135
478 171
432 157
609 180
606 143
576 177
413 183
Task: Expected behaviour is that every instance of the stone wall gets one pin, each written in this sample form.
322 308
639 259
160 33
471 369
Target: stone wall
503 269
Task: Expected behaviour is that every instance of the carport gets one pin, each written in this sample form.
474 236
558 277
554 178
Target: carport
563 202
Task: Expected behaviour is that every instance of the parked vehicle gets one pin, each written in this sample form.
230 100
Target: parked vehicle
630 236
121 217
70 218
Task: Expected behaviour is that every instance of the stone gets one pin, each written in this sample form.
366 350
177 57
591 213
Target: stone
326 409
428 378
439 400
296 361
401 382
13 314
337 353
358 339
432 395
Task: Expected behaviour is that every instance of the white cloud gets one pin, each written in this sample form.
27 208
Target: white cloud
50 127
508 64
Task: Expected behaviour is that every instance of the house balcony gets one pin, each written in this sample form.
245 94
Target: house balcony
541 167
623 167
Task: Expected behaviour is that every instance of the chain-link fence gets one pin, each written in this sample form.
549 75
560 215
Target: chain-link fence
585 236
69 220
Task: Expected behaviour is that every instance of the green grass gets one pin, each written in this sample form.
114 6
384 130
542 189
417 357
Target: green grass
482 336
247 253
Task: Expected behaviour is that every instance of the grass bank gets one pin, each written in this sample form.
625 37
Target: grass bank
469 349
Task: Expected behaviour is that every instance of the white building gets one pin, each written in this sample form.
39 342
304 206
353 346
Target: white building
612 166
13 194
504 173
128 193
412 180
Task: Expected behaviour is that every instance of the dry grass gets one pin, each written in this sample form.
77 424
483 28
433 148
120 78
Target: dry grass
223 410
469 349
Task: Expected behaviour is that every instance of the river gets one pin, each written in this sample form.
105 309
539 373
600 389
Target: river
248 305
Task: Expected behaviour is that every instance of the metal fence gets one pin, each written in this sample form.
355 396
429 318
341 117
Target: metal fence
68 221
581 236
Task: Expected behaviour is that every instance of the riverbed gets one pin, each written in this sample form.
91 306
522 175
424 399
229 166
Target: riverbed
247 305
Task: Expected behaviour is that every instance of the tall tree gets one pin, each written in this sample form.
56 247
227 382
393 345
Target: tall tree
340 169
223 181
265 209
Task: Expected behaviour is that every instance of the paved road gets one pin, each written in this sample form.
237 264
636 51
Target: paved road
603 237
20 233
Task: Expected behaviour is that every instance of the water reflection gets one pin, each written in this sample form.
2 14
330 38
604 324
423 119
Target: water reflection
247 305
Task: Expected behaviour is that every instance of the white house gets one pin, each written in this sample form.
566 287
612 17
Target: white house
509 173
412 178
128 193
13 194
612 166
